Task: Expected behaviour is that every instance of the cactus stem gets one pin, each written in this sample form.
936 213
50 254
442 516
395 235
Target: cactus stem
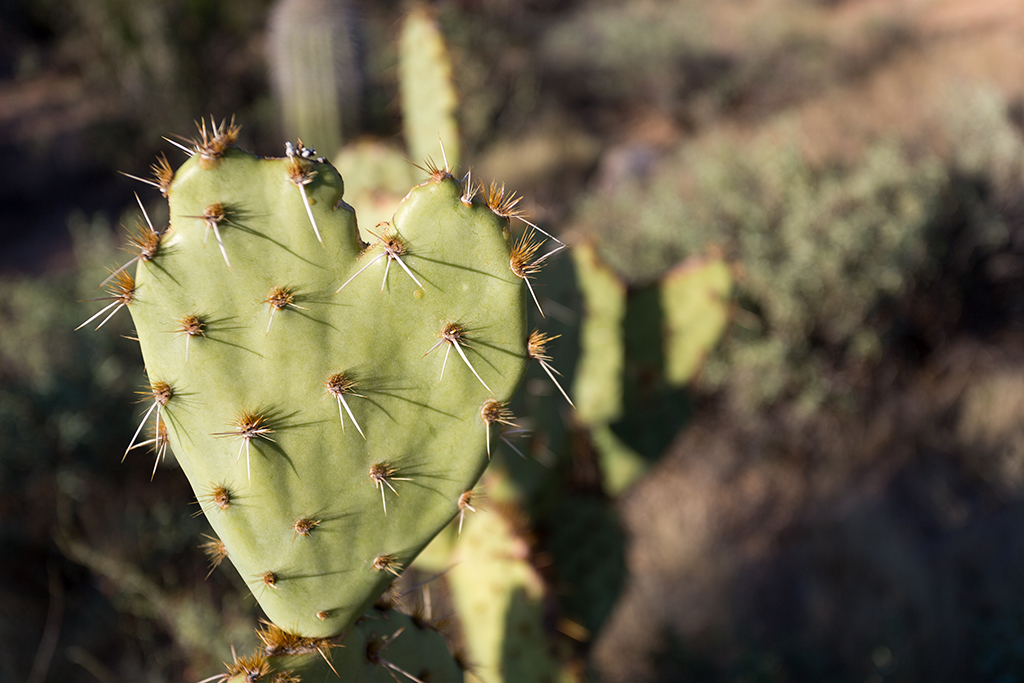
520 261
382 474
190 326
338 385
161 393
494 411
279 297
248 426
215 552
536 347
387 563
304 526
465 503
122 292
452 333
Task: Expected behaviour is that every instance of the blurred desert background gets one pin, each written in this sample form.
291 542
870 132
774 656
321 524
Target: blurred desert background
836 493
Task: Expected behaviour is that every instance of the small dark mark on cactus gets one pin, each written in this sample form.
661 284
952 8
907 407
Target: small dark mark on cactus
338 385
162 172
190 326
536 348
453 334
122 293
323 614
387 563
279 298
382 474
494 411
248 425
394 249
215 552
305 525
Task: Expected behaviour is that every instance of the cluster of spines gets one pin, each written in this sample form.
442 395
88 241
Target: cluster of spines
277 642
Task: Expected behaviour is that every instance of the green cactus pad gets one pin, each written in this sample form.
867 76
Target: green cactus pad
598 384
380 648
499 598
268 415
695 298
428 95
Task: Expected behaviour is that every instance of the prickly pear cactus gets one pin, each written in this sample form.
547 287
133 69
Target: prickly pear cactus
324 396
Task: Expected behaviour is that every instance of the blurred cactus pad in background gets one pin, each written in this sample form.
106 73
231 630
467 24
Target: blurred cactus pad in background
595 341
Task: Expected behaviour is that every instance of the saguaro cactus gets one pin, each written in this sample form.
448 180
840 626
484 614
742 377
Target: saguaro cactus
308 388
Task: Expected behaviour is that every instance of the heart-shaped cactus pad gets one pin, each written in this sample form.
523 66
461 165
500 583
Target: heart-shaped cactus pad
329 399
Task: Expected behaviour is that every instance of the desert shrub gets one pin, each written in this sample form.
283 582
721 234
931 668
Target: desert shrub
818 250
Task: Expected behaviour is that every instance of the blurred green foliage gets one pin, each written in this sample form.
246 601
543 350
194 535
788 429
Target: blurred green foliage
818 250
